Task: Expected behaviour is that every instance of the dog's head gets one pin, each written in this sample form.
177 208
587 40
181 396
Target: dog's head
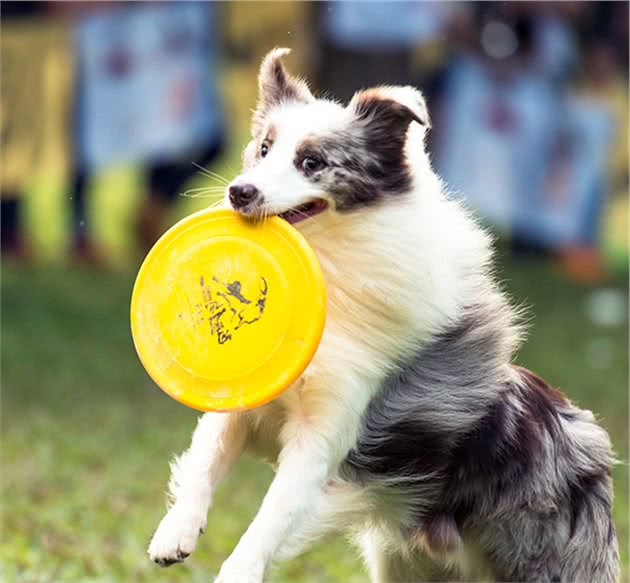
310 156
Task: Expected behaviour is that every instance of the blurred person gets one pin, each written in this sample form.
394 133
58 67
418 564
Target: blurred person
35 89
530 153
565 213
498 118
146 93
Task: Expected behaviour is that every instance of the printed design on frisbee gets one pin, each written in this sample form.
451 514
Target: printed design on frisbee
226 308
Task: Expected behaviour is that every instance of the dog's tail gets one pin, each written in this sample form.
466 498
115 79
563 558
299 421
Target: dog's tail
592 553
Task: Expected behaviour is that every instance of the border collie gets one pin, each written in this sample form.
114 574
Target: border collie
411 429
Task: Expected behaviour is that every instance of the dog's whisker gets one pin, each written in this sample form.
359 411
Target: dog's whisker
199 194
209 187
230 168
203 192
206 190
220 181
205 170
211 174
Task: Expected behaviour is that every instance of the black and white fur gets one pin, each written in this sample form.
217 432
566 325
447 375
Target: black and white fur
410 429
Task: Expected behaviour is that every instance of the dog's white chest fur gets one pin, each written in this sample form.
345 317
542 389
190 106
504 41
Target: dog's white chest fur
388 290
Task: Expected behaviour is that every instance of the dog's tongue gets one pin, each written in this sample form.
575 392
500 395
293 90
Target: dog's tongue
304 211
293 217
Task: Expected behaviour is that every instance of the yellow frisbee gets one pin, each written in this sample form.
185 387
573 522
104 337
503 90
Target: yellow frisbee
226 314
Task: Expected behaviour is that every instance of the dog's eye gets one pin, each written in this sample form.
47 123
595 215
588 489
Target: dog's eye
264 149
311 164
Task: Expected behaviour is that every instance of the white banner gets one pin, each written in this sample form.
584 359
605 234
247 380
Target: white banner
146 83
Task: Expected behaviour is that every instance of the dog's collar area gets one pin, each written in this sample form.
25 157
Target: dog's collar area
304 211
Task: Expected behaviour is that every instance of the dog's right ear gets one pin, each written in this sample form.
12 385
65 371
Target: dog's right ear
275 85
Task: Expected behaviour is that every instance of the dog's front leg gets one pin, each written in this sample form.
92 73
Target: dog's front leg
294 492
313 447
216 443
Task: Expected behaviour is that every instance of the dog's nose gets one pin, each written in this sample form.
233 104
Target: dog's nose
242 194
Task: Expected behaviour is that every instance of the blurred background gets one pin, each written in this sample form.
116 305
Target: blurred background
118 118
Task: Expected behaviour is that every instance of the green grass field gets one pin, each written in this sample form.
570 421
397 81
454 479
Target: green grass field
86 437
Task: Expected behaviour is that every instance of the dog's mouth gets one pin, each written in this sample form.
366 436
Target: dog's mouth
304 211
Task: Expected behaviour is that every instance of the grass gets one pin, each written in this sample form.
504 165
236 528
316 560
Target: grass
86 437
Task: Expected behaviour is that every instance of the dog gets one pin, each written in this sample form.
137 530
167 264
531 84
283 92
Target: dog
411 429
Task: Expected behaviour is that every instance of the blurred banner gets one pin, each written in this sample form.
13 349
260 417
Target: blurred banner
566 211
496 139
530 159
36 90
146 83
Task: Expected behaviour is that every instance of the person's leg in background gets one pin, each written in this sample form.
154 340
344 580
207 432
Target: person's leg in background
163 184
83 248
12 244
79 213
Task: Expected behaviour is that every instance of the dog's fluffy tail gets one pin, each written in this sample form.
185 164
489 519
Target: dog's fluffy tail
592 553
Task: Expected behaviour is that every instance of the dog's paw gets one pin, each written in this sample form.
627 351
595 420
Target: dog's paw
235 571
175 537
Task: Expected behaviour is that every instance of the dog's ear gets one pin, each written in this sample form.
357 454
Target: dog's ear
275 85
390 109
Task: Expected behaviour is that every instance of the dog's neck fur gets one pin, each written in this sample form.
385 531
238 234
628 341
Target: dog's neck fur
393 278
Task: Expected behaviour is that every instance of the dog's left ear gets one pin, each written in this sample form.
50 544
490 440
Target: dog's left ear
390 109
276 85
